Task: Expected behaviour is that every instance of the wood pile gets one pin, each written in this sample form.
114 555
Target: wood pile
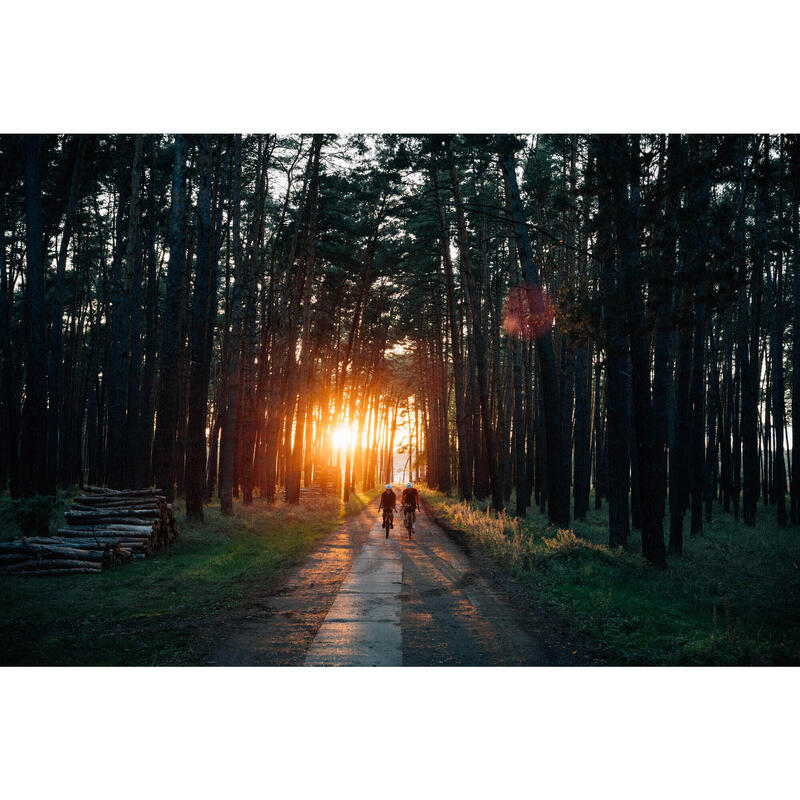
104 528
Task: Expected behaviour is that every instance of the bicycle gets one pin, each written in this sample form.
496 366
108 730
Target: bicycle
409 518
388 520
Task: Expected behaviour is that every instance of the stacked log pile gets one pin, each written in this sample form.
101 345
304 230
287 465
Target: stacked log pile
104 528
41 556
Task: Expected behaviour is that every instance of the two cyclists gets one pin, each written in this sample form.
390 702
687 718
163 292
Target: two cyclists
409 503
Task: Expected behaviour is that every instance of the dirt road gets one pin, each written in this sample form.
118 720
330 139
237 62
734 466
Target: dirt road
361 599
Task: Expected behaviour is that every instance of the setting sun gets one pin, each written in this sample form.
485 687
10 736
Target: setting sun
343 436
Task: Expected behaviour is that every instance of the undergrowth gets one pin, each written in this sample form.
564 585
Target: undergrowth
733 598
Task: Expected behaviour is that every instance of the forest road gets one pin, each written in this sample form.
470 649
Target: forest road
363 600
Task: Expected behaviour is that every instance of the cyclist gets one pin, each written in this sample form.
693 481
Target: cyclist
387 505
410 503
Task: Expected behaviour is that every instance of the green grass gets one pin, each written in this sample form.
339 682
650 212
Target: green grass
153 611
732 598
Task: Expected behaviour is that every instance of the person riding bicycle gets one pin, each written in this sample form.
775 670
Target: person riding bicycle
387 505
410 503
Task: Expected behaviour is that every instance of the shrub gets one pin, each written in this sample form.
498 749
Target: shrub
32 514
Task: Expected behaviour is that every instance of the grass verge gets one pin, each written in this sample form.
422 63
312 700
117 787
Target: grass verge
150 612
733 598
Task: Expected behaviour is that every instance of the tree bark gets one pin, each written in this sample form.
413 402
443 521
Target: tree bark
227 456
34 479
203 302
477 336
164 457
557 481
55 421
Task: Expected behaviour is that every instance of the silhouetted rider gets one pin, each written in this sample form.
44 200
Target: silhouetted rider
388 504
410 503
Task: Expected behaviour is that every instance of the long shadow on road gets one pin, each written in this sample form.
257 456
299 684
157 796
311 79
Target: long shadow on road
450 608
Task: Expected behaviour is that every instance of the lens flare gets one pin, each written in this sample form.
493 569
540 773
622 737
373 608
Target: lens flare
529 312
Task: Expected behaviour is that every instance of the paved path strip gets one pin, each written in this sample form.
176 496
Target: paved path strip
363 626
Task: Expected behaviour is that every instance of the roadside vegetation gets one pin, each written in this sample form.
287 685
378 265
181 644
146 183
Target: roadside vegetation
733 598
151 612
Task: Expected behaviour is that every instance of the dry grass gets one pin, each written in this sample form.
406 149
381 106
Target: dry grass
733 598
513 542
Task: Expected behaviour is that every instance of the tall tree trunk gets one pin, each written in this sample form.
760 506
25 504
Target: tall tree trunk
795 484
151 324
557 481
478 337
133 474
55 364
302 300
698 203
624 163
203 302
663 337
34 479
617 433
164 456
10 421
227 456
119 355
750 385
776 348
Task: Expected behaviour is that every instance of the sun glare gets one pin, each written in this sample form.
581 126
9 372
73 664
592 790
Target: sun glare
343 436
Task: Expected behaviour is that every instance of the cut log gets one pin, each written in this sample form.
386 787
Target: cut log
12 558
117 509
54 564
113 513
120 522
99 491
70 571
116 525
96 541
99 500
45 550
109 530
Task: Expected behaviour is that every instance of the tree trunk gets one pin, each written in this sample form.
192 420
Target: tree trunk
203 305
227 456
34 479
478 338
557 481
55 422
617 433
628 232
164 457
795 483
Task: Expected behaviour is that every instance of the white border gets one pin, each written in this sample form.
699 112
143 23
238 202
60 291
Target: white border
405 732
423 65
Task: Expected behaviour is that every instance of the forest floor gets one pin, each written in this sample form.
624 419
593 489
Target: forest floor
362 599
733 598
258 588
157 611
287 586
